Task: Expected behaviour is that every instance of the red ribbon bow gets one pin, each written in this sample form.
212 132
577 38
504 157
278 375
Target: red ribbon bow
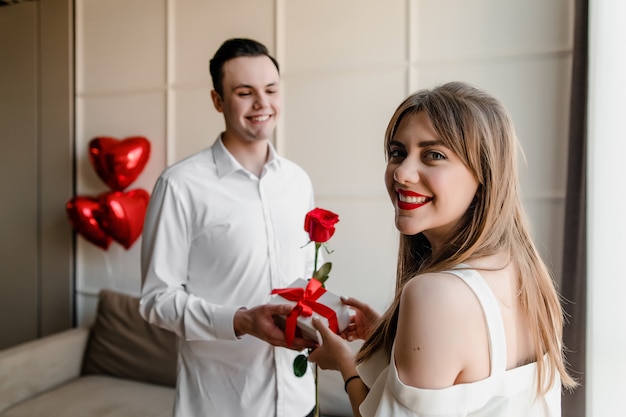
306 304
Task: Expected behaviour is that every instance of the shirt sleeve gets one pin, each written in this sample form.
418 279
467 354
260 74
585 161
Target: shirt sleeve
164 259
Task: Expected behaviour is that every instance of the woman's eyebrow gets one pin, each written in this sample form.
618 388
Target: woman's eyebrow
427 143
422 144
396 143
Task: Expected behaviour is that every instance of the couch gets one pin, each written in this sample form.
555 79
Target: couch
118 366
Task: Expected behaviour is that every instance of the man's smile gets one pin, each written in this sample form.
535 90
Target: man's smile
261 118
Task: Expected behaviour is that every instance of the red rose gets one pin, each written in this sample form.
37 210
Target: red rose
320 224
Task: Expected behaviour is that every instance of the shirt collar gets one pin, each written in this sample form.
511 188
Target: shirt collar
226 163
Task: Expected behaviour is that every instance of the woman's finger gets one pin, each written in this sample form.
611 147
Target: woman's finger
321 327
353 302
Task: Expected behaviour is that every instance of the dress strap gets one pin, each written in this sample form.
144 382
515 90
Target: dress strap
492 312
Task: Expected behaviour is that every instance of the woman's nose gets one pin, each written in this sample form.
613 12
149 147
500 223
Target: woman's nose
406 173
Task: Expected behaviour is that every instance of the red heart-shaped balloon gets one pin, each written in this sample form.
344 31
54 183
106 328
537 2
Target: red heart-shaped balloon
119 162
84 214
123 214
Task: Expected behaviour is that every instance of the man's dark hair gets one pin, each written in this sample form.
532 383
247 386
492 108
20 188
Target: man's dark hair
234 48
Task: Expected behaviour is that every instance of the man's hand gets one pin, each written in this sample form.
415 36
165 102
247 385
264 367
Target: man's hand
259 322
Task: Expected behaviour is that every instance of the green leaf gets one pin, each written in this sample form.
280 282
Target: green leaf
322 274
300 365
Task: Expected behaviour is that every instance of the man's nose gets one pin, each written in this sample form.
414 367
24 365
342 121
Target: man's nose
260 100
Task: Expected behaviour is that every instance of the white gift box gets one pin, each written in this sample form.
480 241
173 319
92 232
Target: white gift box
305 324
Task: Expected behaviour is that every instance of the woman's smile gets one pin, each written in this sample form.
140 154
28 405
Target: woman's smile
408 200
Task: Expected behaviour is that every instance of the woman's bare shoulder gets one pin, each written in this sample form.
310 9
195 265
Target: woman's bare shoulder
438 321
447 288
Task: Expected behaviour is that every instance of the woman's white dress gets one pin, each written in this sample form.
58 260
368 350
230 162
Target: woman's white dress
509 393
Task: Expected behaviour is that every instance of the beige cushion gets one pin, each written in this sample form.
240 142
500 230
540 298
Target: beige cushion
39 365
124 345
99 396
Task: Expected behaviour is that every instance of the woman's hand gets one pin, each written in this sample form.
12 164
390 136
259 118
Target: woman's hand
334 352
363 322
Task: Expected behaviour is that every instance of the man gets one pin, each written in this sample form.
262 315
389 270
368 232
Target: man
223 228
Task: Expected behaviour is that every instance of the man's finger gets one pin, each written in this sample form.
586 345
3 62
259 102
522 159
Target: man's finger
301 344
279 309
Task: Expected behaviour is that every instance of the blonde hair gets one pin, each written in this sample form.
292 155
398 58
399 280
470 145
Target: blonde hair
479 130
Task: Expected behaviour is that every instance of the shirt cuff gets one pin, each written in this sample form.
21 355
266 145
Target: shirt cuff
223 324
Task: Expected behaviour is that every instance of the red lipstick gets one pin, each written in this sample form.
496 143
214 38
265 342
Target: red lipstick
415 200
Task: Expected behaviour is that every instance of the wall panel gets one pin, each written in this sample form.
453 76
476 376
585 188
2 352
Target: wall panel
121 92
488 43
200 26
195 122
456 30
122 45
334 127
346 66
19 135
533 91
346 71
365 248
327 35
36 134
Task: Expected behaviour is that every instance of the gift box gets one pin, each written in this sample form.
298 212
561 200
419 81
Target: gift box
309 299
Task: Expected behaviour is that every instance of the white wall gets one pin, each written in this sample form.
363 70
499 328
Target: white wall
346 65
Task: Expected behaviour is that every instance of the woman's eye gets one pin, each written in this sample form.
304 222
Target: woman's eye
435 155
395 153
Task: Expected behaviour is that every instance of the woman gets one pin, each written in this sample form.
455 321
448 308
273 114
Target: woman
475 328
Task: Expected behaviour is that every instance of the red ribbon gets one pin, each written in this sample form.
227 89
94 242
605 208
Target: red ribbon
306 304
